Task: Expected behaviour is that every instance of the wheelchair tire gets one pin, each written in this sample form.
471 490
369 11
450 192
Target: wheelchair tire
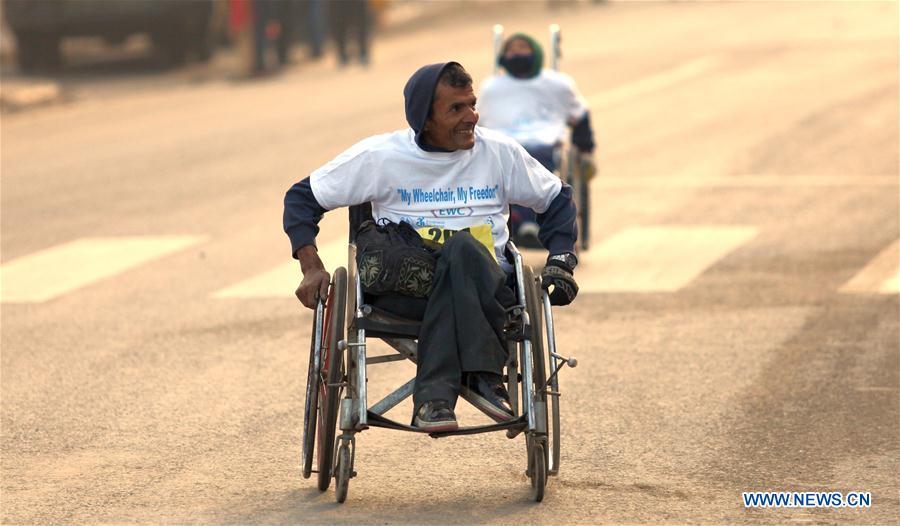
534 306
310 409
535 315
553 432
331 375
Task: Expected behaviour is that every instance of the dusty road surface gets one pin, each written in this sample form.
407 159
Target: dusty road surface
737 327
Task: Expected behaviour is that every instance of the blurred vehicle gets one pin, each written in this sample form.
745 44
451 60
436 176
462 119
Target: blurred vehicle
178 29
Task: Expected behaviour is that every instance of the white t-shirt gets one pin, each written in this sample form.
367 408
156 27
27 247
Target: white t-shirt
531 111
437 190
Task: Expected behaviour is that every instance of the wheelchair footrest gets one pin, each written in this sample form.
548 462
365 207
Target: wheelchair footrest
376 420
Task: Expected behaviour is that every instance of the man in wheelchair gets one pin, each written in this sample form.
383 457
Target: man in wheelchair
535 106
453 182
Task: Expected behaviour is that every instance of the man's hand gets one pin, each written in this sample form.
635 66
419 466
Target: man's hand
586 165
559 275
314 286
315 278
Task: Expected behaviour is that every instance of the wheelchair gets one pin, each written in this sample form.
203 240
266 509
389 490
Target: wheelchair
336 394
565 156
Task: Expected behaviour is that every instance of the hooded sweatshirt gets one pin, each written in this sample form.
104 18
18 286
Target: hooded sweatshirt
419 95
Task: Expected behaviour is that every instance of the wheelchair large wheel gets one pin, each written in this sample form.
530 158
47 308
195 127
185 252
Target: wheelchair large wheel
551 394
538 453
311 408
535 315
331 376
553 432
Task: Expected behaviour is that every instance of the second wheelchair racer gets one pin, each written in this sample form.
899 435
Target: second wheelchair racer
535 106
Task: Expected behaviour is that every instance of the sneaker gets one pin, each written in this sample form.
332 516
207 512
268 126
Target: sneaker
436 416
527 235
486 392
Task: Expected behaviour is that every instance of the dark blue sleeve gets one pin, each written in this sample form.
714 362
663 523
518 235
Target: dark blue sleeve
302 214
558 231
583 134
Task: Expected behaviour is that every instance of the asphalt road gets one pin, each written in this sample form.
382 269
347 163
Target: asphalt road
738 327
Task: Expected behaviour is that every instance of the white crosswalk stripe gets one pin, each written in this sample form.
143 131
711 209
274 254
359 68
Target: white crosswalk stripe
644 259
657 258
880 276
281 281
683 181
57 270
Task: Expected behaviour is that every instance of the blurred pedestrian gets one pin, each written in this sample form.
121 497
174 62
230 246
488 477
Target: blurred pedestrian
316 15
272 22
350 17
240 22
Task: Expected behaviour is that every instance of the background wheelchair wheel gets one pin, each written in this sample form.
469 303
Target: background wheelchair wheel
584 214
342 473
310 410
330 375
581 196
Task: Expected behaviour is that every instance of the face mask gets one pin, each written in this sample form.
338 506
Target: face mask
518 65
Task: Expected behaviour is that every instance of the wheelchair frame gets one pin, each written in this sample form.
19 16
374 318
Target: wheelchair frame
338 365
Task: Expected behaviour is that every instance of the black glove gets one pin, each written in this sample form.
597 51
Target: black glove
559 275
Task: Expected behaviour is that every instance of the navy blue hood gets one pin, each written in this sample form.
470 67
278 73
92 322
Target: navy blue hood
418 95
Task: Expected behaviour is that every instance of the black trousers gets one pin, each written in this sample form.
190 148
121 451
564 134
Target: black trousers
462 321
462 328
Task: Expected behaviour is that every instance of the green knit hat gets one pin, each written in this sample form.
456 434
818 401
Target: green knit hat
536 48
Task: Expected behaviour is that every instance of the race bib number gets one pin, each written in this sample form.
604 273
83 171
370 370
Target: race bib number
482 233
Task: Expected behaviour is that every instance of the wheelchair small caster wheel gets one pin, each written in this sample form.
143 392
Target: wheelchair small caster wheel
538 471
342 473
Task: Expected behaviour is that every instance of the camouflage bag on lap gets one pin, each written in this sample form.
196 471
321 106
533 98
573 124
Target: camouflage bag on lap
392 258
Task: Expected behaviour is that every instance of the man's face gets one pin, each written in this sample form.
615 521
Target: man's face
517 46
451 125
